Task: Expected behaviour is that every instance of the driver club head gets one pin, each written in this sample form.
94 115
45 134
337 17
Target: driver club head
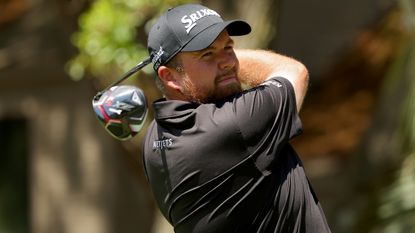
122 110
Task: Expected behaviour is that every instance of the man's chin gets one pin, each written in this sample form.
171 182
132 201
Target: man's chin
227 91
218 94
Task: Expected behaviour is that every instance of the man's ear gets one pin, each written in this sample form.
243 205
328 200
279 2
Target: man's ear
169 77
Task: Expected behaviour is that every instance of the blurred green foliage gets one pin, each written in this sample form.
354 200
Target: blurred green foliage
397 209
112 36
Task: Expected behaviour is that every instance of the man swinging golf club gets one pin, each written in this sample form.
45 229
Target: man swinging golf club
217 157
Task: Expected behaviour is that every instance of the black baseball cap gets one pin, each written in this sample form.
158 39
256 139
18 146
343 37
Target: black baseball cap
189 27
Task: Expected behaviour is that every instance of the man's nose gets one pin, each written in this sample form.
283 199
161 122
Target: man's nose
227 60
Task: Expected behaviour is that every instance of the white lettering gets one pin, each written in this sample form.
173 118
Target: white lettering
191 19
162 144
204 11
187 21
194 17
156 58
199 13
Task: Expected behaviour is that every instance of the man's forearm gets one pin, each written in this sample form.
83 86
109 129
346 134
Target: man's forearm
256 66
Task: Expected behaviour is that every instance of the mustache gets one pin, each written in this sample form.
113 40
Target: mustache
230 72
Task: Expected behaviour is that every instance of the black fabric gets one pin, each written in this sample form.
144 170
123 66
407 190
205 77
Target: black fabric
228 166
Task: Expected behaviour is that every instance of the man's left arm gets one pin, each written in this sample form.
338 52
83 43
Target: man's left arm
256 66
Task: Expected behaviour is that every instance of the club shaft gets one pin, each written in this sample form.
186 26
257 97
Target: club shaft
136 68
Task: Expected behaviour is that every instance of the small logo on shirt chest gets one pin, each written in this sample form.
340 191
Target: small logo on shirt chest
162 144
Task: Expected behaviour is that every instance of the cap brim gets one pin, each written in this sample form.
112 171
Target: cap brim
207 36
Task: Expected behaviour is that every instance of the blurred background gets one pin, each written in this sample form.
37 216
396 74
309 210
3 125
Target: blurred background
60 171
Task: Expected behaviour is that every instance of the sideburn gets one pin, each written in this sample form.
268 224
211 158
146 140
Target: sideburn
194 94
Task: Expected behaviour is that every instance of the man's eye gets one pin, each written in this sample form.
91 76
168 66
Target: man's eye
228 47
207 54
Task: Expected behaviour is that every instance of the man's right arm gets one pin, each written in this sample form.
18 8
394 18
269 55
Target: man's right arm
256 66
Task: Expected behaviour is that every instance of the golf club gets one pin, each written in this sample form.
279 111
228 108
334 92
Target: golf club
122 109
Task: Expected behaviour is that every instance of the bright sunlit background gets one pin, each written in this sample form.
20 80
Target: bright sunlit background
61 172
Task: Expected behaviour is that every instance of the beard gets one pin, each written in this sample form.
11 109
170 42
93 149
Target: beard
203 96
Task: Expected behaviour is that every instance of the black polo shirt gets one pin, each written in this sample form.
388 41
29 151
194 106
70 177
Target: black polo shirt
228 166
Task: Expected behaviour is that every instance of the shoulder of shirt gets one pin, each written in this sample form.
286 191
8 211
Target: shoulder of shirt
275 81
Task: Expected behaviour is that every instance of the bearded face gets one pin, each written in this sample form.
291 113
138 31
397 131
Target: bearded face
209 75
222 87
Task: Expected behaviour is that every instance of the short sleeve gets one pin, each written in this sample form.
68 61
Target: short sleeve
267 117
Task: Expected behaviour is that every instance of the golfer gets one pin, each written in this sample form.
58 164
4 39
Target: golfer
217 155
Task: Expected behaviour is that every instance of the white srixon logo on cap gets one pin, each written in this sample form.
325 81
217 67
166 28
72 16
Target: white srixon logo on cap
191 19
